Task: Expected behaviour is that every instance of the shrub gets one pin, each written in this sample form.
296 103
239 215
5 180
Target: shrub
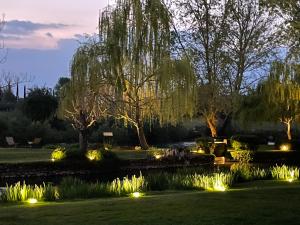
242 156
205 143
285 173
58 153
94 155
246 142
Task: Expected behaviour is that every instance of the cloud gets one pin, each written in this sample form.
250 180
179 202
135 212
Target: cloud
30 35
48 34
19 27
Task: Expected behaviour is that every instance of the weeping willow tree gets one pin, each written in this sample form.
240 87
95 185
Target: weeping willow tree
148 82
281 94
80 101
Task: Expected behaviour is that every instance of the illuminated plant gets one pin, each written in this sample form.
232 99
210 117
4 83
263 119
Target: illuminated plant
215 182
242 156
127 186
27 193
94 155
58 154
285 173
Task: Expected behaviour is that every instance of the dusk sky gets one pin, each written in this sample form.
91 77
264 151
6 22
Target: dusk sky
42 35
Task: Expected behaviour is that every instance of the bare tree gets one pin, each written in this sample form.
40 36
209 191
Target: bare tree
229 41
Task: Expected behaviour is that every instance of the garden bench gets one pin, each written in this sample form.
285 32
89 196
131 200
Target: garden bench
34 142
11 142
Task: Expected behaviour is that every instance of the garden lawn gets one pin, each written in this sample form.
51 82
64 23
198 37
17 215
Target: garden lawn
258 203
16 155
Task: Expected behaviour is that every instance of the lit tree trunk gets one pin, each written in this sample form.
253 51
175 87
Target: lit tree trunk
83 140
142 137
212 125
288 123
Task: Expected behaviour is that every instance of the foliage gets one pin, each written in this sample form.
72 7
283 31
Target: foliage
245 172
285 173
229 42
73 188
59 154
205 143
245 142
82 102
23 192
94 155
242 156
62 81
148 83
40 104
127 185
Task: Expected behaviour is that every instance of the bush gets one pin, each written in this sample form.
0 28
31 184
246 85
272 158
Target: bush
242 156
205 143
246 142
59 154
94 155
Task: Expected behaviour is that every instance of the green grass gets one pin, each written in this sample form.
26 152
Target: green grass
259 203
15 155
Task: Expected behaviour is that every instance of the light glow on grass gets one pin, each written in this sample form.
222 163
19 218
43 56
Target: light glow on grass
219 186
136 194
292 176
158 156
285 147
32 201
94 155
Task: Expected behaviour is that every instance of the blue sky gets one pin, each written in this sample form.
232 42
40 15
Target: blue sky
40 36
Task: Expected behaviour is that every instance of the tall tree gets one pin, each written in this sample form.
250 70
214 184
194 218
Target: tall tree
60 84
81 99
282 92
277 98
289 12
135 36
39 105
229 41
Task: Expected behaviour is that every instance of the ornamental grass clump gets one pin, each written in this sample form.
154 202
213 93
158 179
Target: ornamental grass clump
214 182
246 172
285 173
22 192
127 185
58 154
72 188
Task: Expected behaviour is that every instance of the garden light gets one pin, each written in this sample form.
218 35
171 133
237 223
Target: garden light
136 194
219 186
32 201
285 147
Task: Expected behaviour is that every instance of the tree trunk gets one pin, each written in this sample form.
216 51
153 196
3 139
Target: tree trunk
142 138
288 130
212 125
83 141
